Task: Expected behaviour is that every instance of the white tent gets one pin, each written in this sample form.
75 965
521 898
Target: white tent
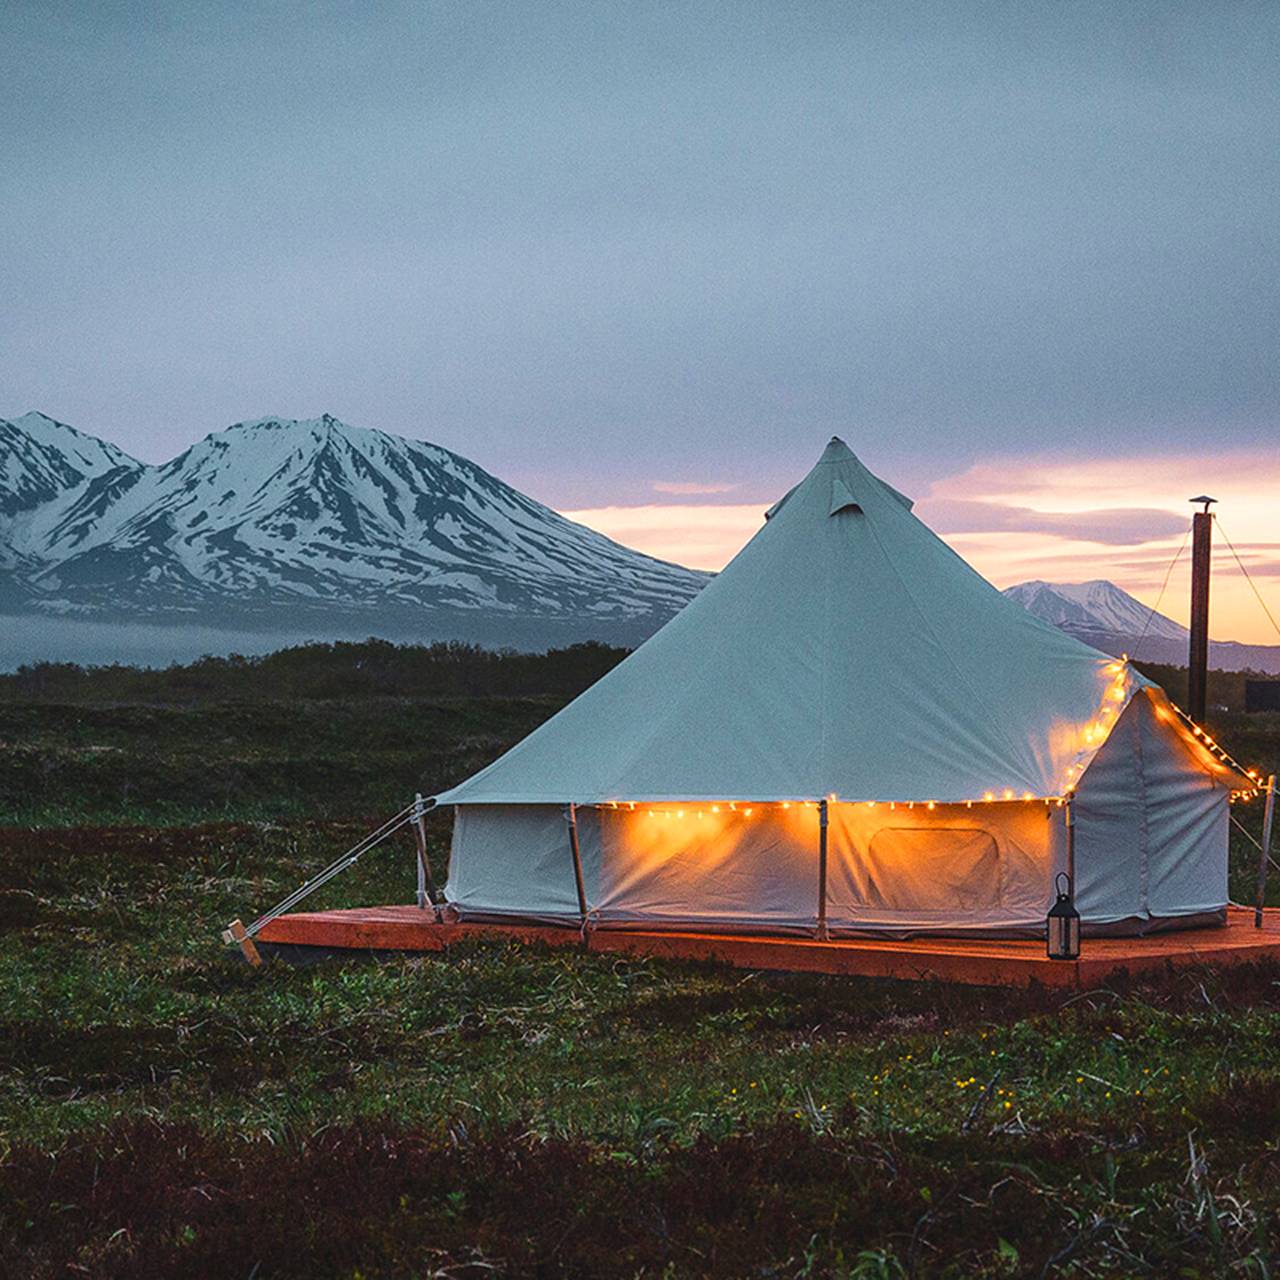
848 666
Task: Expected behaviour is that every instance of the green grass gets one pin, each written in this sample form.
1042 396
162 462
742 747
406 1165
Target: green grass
166 1111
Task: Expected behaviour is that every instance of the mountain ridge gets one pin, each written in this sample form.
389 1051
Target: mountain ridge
309 515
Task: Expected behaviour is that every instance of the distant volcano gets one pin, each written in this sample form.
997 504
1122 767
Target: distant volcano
1110 619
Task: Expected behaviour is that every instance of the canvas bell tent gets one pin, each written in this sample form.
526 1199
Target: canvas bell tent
849 730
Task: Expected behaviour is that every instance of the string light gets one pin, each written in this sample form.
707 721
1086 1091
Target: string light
1093 735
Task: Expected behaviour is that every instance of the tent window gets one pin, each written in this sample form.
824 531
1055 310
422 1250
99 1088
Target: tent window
949 869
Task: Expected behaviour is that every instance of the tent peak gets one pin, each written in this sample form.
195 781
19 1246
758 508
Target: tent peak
837 451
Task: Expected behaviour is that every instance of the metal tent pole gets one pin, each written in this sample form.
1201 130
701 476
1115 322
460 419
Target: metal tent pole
1264 850
1071 845
426 885
571 817
822 932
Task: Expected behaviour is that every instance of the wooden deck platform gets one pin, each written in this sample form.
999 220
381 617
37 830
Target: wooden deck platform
983 962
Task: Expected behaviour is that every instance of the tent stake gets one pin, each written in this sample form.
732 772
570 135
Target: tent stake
822 933
571 817
236 932
426 885
1268 816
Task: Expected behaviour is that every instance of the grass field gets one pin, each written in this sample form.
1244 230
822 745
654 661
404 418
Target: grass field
166 1112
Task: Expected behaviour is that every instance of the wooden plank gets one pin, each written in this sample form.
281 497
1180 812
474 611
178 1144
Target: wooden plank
980 961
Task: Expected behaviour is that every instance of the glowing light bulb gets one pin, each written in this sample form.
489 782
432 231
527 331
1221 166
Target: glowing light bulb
932 805
988 796
746 813
715 808
1008 793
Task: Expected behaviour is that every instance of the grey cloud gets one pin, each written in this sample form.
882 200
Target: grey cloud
564 237
1116 526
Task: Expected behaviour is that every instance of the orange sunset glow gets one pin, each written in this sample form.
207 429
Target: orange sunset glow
1058 519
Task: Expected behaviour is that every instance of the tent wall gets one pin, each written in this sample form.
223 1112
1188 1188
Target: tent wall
1151 848
1151 826
514 860
890 869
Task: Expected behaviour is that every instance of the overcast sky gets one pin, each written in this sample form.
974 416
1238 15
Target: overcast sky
642 255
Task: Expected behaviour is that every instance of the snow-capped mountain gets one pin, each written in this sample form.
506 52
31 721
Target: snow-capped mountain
310 514
42 459
1103 615
1093 606
46 467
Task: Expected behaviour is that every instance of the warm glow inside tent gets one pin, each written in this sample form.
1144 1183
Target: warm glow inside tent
848 665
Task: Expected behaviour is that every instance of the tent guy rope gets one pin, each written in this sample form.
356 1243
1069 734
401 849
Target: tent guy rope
242 935
1164 586
1248 577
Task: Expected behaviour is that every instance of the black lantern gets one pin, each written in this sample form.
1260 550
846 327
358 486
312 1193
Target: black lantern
1063 923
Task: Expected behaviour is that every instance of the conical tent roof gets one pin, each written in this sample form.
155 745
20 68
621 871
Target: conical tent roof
846 651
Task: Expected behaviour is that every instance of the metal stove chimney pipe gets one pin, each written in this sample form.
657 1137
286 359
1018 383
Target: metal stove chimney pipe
1198 653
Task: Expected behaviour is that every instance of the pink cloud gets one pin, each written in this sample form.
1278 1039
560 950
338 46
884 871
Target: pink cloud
690 488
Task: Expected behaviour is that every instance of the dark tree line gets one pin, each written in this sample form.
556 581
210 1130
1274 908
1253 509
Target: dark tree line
369 668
